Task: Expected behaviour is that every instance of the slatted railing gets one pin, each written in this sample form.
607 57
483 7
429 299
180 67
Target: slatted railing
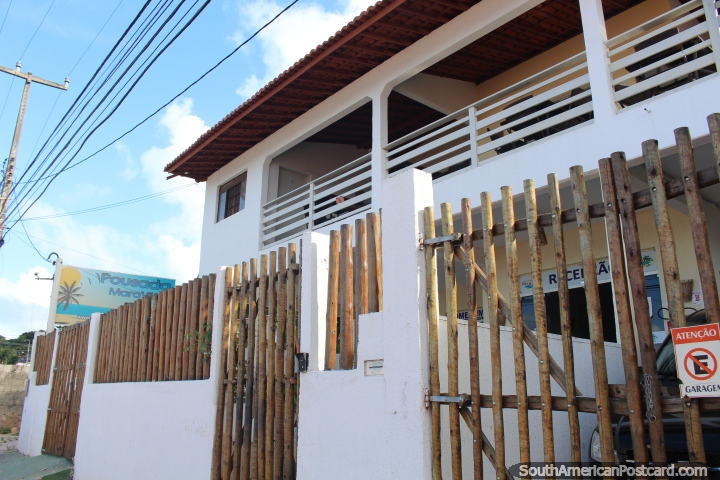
542 105
44 346
339 194
664 53
158 338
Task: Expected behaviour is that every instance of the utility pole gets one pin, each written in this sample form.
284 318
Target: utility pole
10 170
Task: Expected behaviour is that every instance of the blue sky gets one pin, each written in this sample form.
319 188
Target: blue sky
159 236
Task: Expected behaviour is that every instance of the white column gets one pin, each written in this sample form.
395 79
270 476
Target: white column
54 295
315 252
595 36
408 437
218 324
379 140
93 341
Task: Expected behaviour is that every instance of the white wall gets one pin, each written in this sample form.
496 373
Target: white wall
35 408
356 426
148 429
445 95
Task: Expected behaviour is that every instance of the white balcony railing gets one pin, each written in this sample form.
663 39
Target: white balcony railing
664 53
332 197
542 105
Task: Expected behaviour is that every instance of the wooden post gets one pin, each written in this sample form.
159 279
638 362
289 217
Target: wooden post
706 270
673 289
201 322
451 313
332 302
137 328
495 354
517 322
194 329
271 329
187 331
180 342
262 371
144 335
469 259
245 464
431 297
347 318
166 302
158 354
223 385
565 321
240 317
592 297
174 336
129 337
624 315
540 320
210 315
361 275
290 378
167 337
232 276
279 446
714 124
154 309
374 263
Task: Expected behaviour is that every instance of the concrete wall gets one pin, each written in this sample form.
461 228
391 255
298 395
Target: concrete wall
147 430
354 426
13 380
35 408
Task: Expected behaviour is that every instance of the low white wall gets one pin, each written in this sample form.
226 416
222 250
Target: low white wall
583 379
34 418
343 419
354 426
35 408
148 430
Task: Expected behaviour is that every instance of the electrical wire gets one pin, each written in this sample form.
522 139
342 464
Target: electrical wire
163 106
67 144
95 38
111 205
32 244
5 17
82 253
89 135
37 29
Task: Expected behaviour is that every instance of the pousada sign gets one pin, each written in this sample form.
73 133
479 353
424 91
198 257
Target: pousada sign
83 291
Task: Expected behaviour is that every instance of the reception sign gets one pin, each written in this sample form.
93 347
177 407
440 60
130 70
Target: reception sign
82 291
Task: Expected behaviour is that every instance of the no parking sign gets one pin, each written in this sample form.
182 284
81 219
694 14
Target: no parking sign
697 350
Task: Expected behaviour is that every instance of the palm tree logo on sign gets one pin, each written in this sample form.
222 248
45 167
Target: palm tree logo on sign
70 285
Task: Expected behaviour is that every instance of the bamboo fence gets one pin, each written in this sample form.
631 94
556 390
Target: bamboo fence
618 209
44 347
354 287
163 337
66 393
258 389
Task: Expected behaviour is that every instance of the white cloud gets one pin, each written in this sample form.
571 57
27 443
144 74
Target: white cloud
292 35
131 169
25 302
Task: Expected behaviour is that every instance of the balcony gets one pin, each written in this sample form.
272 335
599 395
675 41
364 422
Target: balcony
334 196
658 54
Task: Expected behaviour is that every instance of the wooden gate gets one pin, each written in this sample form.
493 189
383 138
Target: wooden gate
66 393
257 401
642 402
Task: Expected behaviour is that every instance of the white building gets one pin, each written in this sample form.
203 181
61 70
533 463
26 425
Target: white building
480 94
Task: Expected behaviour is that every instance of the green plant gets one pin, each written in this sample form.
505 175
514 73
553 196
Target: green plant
201 343
5 431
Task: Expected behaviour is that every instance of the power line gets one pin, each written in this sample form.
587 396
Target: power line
82 253
111 205
158 110
88 135
6 15
32 244
37 29
96 36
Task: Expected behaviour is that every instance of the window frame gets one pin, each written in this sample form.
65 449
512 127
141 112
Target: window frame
221 208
